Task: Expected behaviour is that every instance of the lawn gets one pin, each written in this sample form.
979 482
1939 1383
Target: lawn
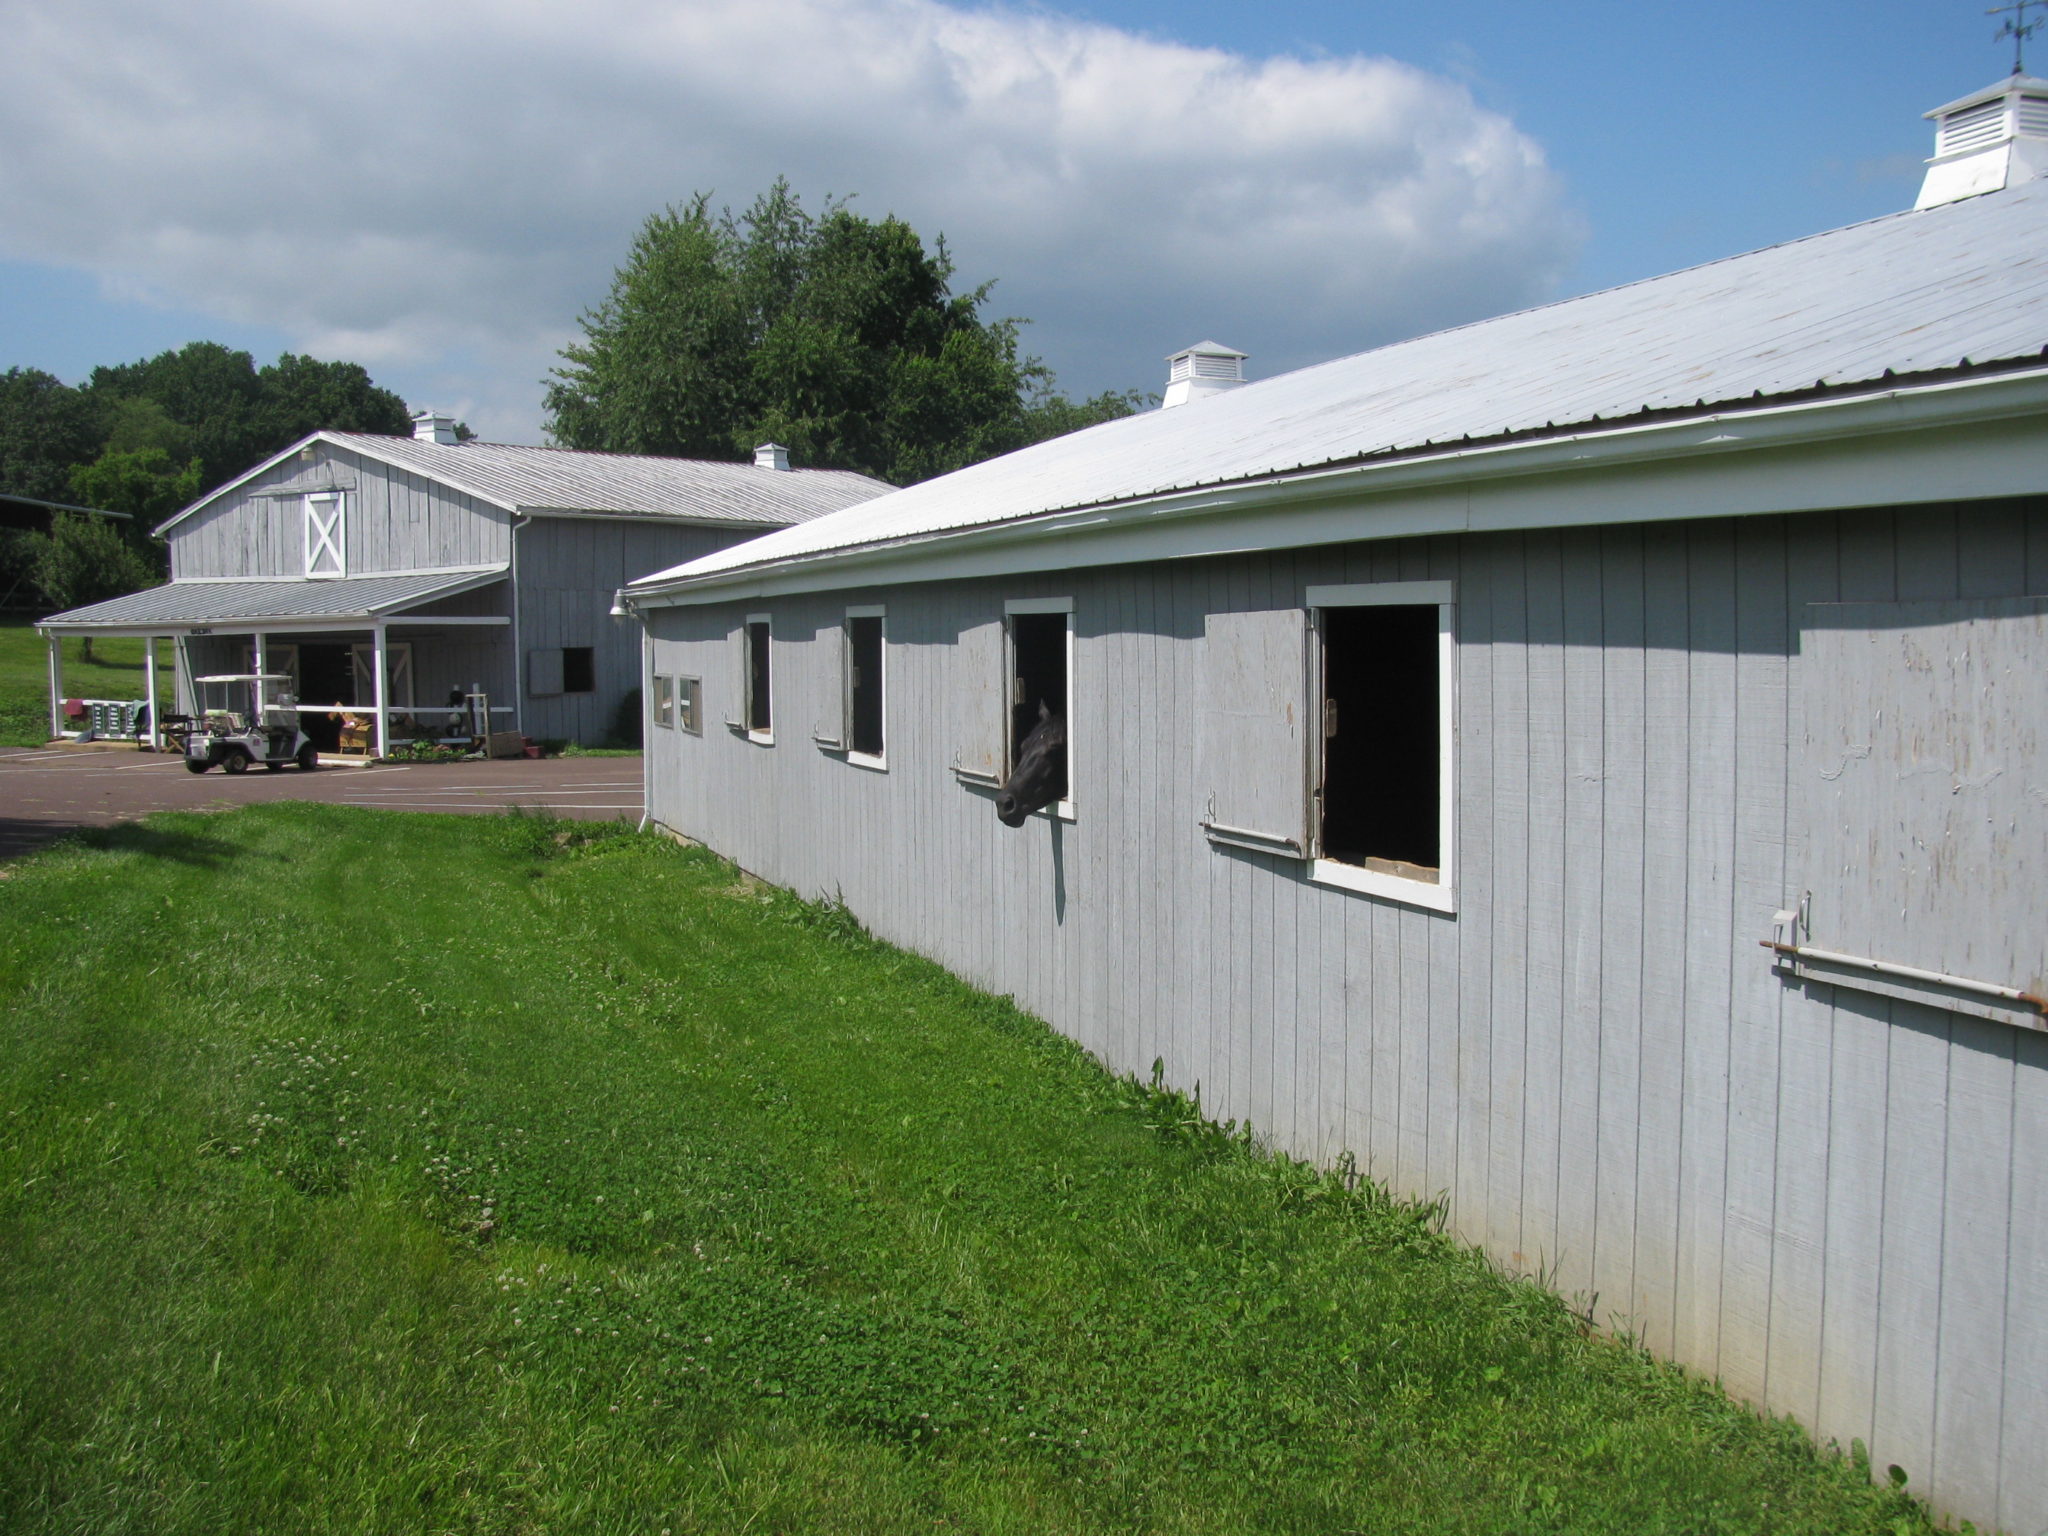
364 1173
115 672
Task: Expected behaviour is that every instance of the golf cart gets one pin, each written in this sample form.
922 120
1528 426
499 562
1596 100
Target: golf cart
247 717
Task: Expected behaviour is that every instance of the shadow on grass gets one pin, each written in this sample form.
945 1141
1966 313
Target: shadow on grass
168 843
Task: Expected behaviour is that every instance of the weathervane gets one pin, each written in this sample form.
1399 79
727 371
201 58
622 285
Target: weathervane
2016 27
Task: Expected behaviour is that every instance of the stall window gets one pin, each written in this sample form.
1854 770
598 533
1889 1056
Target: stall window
1039 667
664 704
760 717
1327 735
865 685
689 705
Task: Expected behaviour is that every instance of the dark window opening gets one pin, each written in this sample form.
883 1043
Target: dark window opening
1381 793
759 717
864 683
1038 676
579 669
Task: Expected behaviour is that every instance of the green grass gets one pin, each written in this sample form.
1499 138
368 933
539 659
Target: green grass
115 672
362 1173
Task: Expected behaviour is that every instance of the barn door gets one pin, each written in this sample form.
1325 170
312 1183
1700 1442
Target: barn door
983 689
1253 730
397 684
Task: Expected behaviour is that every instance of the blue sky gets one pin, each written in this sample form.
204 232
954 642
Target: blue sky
438 194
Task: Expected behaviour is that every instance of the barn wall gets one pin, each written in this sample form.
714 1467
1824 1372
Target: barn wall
1837 1202
569 569
395 521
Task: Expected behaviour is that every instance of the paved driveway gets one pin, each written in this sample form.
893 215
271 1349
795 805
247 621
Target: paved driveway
47 792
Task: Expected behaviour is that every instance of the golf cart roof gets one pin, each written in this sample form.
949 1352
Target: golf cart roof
246 677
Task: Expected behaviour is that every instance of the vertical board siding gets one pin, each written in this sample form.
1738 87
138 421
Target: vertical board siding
1833 1200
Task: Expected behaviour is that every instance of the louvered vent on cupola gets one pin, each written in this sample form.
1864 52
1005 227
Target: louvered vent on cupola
1987 141
1207 368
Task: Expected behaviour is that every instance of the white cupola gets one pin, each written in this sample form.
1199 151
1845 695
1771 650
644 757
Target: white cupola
771 456
1206 368
1987 141
430 427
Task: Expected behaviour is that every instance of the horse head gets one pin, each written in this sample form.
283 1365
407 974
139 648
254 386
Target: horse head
1040 776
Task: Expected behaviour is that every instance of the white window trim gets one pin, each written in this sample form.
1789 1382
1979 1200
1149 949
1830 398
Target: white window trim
663 690
760 738
1063 810
877 762
695 725
1440 895
326 533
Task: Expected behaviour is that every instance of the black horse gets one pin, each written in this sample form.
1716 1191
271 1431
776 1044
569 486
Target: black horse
1040 776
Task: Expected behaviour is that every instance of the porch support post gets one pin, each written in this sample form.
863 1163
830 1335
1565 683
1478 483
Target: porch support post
262 653
156 740
56 683
377 660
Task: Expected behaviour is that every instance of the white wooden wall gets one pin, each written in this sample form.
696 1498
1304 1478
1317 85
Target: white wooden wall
1835 1202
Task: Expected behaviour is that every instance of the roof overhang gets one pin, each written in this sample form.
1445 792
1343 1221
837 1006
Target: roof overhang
1959 439
213 603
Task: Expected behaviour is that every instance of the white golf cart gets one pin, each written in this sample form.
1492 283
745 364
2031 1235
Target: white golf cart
244 718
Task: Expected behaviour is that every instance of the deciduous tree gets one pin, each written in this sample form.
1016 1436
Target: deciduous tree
838 336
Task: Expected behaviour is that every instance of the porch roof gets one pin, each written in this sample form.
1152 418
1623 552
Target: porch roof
263 604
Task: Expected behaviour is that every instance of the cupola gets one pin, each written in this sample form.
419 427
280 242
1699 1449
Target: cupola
1987 141
1206 368
430 427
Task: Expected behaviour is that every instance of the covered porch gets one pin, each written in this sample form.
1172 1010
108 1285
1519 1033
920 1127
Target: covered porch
378 659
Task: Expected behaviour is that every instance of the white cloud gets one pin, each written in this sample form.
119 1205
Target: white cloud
438 192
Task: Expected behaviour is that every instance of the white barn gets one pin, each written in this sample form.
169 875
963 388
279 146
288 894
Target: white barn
1588 764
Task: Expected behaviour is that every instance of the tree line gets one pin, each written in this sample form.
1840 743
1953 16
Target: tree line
836 335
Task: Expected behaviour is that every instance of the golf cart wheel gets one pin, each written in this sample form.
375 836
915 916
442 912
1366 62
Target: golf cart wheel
196 765
235 761
309 758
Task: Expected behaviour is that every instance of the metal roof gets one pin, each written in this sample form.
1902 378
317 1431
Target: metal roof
568 481
1961 285
180 603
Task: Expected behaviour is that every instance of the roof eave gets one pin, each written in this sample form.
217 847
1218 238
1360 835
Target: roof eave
1776 423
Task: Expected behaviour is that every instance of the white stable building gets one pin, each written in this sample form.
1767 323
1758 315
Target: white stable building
1589 765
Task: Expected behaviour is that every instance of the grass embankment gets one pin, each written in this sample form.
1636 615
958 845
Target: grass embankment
367 1173
115 672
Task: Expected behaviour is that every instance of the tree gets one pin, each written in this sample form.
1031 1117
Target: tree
236 416
45 427
148 484
84 559
838 336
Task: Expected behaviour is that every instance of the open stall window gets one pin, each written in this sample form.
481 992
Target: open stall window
1039 668
664 704
579 669
756 681
690 705
865 684
1327 735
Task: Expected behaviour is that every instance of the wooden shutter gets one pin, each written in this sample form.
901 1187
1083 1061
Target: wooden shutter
1923 793
834 727
544 671
982 689
1254 711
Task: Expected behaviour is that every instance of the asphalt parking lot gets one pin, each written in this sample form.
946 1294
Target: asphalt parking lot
46 792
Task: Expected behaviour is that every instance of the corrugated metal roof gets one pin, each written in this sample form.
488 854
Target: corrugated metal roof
566 480
1965 283
221 602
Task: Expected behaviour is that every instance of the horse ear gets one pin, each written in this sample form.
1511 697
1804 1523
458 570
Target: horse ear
1044 711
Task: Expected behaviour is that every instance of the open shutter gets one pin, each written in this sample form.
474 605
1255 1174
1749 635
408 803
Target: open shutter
1254 736
834 727
983 691
736 672
1924 800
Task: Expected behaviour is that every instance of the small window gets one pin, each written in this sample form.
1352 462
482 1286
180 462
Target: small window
326 536
689 708
1040 671
1382 767
864 685
760 717
579 669
664 706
